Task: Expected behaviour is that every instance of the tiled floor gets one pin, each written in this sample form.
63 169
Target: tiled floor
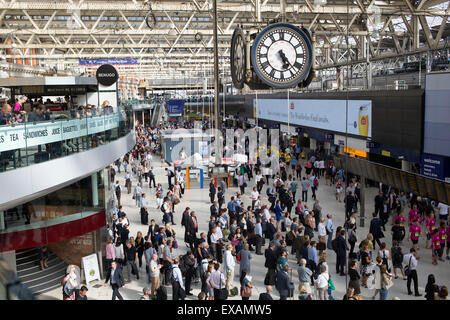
198 200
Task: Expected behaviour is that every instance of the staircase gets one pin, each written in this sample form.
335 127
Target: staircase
30 273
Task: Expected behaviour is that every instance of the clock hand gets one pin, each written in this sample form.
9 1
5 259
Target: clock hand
285 60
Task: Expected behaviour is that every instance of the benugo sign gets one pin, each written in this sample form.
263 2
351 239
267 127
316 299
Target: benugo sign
28 135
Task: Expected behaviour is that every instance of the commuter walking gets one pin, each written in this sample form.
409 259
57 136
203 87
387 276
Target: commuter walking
305 186
131 257
115 277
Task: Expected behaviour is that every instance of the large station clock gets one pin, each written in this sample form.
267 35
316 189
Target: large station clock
281 55
238 58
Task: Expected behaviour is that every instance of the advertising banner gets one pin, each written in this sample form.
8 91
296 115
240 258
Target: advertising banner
29 135
97 62
320 114
203 148
174 106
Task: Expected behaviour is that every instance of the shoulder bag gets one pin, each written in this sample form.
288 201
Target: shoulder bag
408 267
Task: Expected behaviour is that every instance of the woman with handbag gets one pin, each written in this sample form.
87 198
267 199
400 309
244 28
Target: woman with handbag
386 282
181 182
246 286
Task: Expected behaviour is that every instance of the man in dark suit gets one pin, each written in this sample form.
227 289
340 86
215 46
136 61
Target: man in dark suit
271 229
375 229
212 191
220 197
214 209
283 283
153 230
116 277
379 200
185 216
266 295
190 235
349 204
341 253
270 264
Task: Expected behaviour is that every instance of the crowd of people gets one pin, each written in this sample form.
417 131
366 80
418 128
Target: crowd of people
276 225
23 109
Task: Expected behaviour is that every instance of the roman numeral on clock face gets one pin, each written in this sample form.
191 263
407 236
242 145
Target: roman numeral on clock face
297 65
281 34
265 64
272 38
272 73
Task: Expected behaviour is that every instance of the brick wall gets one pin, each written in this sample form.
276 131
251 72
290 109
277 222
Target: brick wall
72 250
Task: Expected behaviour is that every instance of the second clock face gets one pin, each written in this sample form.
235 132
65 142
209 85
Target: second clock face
281 55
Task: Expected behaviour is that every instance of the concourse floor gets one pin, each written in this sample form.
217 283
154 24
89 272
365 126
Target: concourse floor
198 200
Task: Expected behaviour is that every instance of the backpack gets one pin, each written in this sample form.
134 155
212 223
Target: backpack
316 182
161 293
334 245
170 277
182 265
162 209
397 256
66 292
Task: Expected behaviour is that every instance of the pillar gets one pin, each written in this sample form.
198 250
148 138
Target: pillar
94 189
2 220
201 178
10 258
312 144
362 207
187 178
406 165
369 75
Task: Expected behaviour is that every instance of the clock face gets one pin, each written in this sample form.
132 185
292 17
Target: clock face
238 58
282 55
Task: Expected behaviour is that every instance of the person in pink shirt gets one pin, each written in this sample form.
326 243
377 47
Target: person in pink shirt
448 241
430 222
110 252
412 214
442 231
414 231
18 106
299 209
436 246
400 218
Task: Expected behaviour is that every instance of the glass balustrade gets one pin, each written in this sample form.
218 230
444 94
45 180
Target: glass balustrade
24 143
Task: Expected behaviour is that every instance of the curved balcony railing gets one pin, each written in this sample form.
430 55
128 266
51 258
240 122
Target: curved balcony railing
26 143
